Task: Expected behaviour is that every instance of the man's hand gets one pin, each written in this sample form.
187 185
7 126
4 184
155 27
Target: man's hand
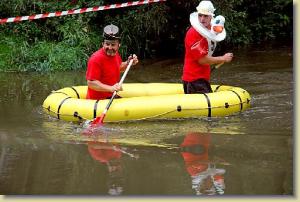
227 57
116 87
135 59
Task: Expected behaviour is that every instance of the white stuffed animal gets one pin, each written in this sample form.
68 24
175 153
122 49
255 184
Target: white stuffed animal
217 24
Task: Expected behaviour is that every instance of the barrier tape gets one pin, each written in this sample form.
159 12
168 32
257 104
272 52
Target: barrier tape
77 11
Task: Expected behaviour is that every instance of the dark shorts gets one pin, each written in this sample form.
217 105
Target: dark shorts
198 86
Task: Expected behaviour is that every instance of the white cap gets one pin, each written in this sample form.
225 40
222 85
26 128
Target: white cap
206 8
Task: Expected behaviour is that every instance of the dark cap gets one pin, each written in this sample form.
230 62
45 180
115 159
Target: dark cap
111 32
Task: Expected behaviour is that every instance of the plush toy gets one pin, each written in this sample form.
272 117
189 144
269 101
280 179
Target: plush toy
217 32
217 24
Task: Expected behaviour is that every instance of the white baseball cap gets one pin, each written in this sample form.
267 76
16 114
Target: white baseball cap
206 8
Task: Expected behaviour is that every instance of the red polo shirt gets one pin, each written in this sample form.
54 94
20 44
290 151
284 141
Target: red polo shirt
105 69
196 47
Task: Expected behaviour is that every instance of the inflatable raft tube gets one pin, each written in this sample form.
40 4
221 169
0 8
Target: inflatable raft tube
147 101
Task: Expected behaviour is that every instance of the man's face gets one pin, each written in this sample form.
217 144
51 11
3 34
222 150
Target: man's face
205 20
111 47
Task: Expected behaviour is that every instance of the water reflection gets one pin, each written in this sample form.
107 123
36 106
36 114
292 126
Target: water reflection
206 175
206 178
110 154
184 163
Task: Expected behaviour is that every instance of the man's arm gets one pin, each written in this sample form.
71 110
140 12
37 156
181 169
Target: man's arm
216 60
98 86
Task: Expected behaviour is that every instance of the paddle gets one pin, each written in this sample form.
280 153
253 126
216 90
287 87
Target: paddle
217 66
99 120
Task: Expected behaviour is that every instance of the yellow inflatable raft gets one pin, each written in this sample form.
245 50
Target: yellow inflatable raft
147 101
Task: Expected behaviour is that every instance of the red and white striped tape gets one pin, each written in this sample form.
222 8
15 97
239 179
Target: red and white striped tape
77 11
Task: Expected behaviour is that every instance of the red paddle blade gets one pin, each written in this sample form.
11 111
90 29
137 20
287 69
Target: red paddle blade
98 120
96 123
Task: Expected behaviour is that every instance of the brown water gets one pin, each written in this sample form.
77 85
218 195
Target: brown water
244 154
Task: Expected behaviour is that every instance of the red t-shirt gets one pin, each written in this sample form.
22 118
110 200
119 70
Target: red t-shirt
196 47
105 69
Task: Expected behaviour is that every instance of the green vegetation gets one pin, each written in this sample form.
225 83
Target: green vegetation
65 43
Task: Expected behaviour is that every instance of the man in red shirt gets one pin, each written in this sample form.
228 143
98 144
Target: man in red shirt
200 43
105 65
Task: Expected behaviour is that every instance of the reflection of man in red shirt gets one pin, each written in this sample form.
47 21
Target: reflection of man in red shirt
206 179
104 66
104 152
110 155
